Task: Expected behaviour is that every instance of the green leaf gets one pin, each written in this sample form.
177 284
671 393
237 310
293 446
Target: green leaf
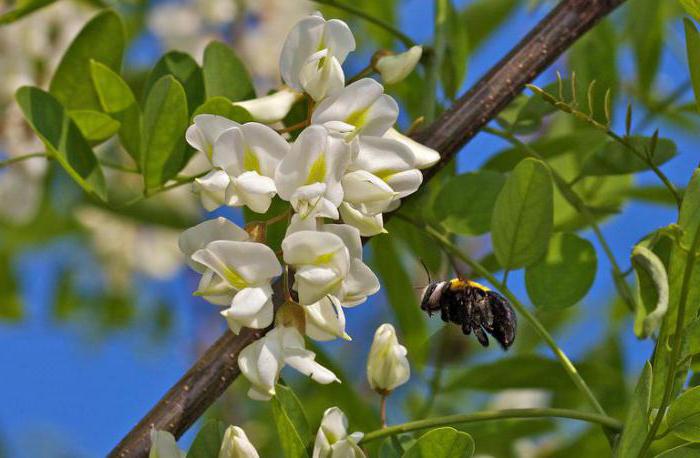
637 420
117 99
442 443
185 70
652 291
481 18
616 159
692 7
522 217
225 74
646 20
102 40
411 321
95 125
22 9
223 107
454 63
62 138
683 418
292 425
165 122
207 443
566 273
686 450
465 202
692 43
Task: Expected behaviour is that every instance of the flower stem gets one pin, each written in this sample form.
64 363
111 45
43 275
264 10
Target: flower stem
176 183
405 39
603 420
382 409
16 159
566 363
367 71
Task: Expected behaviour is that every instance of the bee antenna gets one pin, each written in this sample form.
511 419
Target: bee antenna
430 280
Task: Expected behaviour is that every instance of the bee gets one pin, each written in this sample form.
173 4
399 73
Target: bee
472 306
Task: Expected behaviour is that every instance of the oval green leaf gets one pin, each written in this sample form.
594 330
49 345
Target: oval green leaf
683 416
225 74
165 122
62 138
617 159
292 425
102 40
522 217
637 420
222 106
95 126
563 277
185 70
465 203
442 443
692 43
207 443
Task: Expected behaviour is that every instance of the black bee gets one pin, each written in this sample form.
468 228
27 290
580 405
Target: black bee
474 307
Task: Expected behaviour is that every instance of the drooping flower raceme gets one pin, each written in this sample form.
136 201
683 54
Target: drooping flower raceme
313 53
387 366
236 444
332 438
262 361
347 164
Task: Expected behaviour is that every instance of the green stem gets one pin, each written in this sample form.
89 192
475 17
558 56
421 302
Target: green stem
367 71
676 346
117 166
16 159
177 182
433 60
405 39
566 363
603 420
577 202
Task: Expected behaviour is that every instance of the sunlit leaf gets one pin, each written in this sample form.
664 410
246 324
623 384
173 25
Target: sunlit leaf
617 159
185 70
683 418
225 75
101 40
522 217
223 107
164 123
95 126
566 273
442 443
465 203
22 9
62 138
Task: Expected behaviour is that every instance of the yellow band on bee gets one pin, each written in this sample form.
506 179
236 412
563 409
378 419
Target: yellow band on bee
458 283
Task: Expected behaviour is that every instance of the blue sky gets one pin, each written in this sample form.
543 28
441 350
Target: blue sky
69 393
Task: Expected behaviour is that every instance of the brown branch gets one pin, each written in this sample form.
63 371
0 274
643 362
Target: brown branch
217 368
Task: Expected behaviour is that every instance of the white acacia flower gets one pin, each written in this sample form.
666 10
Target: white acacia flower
309 176
271 108
383 172
249 154
206 129
262 361
387 366
425 157
333 440
313 53
361 108
396 67
212 189
325 320
163 445
236 444
322 262
199 236
242 271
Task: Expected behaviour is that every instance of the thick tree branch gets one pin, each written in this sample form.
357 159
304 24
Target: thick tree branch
189 398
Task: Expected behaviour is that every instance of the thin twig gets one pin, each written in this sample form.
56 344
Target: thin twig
216 369
405 39
602 420
16 159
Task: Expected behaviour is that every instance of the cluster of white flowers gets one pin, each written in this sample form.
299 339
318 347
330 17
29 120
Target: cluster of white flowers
347 164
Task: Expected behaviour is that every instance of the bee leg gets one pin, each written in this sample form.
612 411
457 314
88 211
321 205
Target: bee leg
466 328
481 336
444 314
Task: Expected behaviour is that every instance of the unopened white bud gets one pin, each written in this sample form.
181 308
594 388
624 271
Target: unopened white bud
387 366
395 68
236 444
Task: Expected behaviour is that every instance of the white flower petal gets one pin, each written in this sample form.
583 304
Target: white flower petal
325 320
362 186
252 190
206 129
314 283
236 444
359 283
271 108
301 42
308 247
214 289
395 68
424 157
199 236
366 223
387 366
242 264
250 308
163 445
212 189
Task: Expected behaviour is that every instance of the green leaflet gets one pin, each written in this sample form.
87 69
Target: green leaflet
442 443
292 425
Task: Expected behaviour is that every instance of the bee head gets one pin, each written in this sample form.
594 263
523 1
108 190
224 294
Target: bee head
430 299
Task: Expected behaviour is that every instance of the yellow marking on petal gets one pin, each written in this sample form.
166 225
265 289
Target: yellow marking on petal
210 151
234 278
358 118
317 172
324 258
250 161
385 174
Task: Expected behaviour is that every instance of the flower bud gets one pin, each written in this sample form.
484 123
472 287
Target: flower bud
236 444
271 108
387 366
163 445
394 68
333 440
